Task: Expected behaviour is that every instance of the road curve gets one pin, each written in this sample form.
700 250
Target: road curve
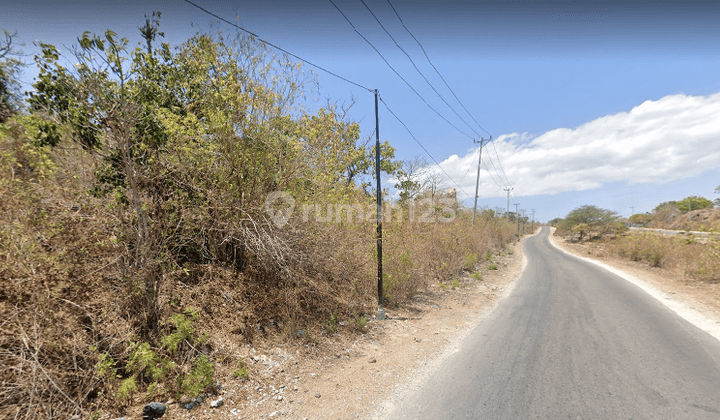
573 341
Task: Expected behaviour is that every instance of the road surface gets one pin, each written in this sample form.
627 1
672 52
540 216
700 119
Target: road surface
573 341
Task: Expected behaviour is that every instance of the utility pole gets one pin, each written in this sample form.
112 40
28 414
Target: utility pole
508 201
517 219
633 210
381 312
532 228
477 182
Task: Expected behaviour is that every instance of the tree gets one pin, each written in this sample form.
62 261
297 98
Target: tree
434 182
582 229
555 221
360 167
693 203
411 178
10 94
590 215
642 219
586 219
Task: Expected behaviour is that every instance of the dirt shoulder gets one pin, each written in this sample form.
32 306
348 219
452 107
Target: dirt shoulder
348 376
696 301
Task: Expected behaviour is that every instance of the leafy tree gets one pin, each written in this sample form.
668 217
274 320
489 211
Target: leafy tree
590 215
642 219
589 219
582 229
693 203
360 169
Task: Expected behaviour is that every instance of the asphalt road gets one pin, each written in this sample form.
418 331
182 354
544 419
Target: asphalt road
573 341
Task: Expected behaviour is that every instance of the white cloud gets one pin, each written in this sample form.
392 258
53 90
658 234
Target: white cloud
658 141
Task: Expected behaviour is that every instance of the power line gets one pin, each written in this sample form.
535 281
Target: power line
505 184
491 177
433 66
466 172
500 163
276 47
423 147
451 90
396 72
417 69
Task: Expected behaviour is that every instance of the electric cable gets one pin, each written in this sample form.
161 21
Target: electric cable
417 69
433 66
277 47
491 177
500 163
449 88
396 72
423 147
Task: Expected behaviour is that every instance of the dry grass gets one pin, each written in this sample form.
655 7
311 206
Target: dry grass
696 258
71 288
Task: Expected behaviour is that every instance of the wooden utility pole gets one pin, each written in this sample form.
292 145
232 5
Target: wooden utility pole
517 219
381 312
477 181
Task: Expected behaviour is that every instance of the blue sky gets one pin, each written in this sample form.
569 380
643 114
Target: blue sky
602 102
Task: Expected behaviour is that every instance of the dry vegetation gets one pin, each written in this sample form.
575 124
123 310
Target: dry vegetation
133 237
695 258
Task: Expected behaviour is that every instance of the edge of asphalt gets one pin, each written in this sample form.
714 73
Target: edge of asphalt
415 382
683 309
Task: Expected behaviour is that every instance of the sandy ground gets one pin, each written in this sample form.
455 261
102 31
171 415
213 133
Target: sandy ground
348 376
697 302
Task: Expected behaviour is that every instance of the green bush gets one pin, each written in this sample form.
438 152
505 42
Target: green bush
127 388
199 377
183 328
241 371
470 260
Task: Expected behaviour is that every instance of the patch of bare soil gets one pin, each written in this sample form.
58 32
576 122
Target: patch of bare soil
701 296
348 375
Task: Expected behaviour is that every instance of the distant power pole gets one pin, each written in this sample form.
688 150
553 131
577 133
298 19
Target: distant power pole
517 218
477 182
633 210
508 201
532 228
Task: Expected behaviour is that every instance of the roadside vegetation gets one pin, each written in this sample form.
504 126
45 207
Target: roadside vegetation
136 239
589 222
693 256
691 213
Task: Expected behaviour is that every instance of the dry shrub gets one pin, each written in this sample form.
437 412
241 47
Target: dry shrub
73 291
697 258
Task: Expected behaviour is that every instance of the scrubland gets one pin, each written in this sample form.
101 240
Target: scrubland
136 236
